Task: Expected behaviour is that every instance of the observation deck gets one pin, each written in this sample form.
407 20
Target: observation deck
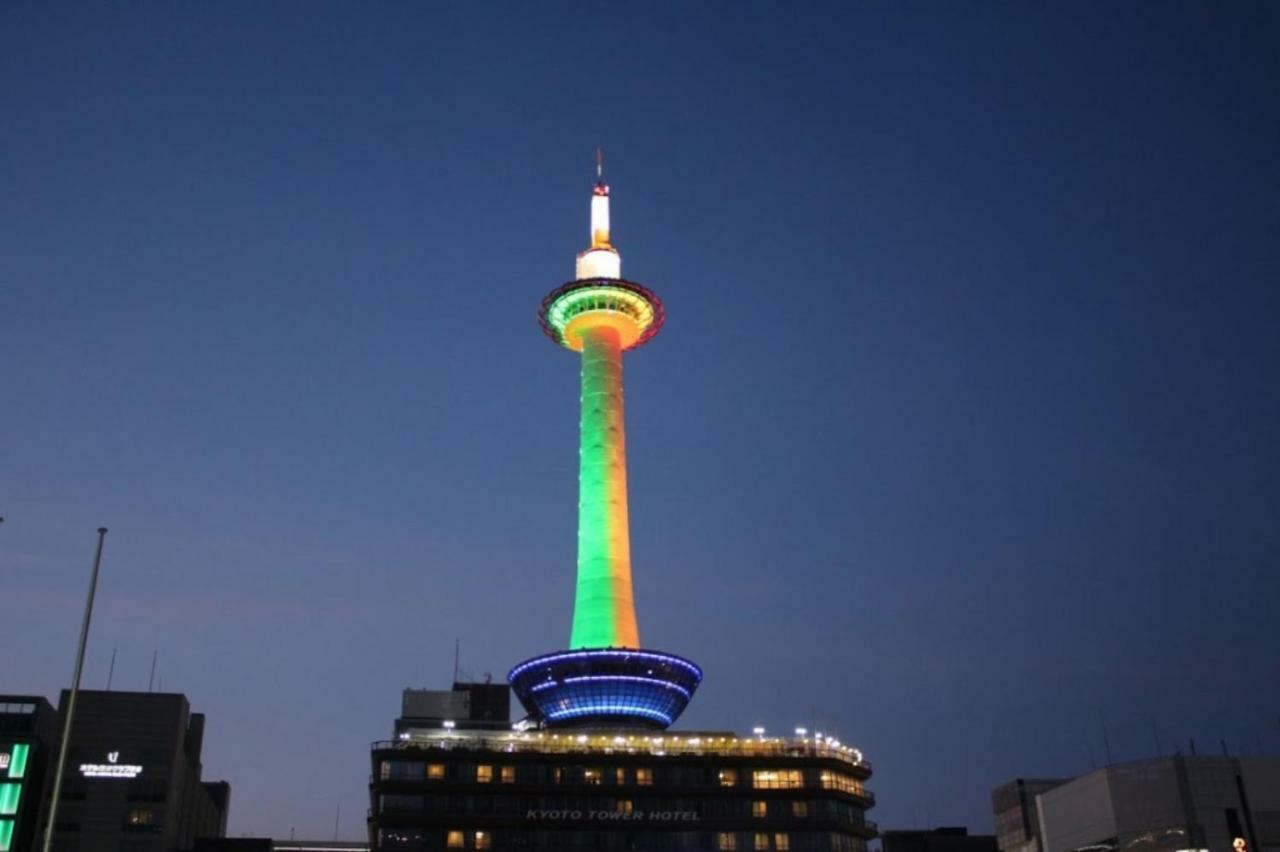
605 686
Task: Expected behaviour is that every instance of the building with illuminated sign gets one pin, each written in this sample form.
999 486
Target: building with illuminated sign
132 780
28 737
1166 804
592 766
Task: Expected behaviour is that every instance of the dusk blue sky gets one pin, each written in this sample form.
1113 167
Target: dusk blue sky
960 439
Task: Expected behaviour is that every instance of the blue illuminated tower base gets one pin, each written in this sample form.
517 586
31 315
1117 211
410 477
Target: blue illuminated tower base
605 686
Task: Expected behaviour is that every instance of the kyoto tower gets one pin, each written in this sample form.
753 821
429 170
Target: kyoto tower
605 677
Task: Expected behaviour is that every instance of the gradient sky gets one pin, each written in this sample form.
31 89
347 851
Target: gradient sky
961 437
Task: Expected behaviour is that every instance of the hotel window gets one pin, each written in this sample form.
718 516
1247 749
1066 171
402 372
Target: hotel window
483 840
759 809
484 773
508 775
556 775
644 777
782 842
726 842
435 771
591 776
799 810
620 776
456 840
728 778
838 781
142 816
777 779
762 842
624 806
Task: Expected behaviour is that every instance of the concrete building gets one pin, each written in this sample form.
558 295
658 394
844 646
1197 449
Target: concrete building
1165 805
1016 817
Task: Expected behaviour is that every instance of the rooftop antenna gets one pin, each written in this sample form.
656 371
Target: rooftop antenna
599 164
336 816
152 679
112 670
1106 740
75 691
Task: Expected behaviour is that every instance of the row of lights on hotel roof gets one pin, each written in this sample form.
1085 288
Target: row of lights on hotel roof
758 731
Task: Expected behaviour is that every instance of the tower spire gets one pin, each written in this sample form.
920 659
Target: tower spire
600 225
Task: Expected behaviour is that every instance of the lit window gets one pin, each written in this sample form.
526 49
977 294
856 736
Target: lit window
644 777
142 817
799 810
762 842
728 778
726 842
759 809
841 782
482 840
624 806
484 773
782 842
591 776
435 771
456 840
556 774
620 776
777 779
508 775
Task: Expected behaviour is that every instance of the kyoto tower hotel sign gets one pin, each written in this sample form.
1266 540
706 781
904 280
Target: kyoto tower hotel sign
605 677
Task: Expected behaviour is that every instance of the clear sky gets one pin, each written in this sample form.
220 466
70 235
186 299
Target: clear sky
961 437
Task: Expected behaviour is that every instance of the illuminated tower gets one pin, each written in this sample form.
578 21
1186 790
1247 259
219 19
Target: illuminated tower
605 677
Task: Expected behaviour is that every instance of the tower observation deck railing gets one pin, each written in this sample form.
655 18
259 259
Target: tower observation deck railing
628 742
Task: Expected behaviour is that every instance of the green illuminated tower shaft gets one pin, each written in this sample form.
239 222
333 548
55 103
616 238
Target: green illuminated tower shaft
604 613
604 677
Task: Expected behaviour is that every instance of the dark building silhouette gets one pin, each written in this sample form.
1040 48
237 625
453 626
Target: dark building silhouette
942 839
133 777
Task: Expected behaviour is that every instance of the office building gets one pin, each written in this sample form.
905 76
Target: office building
133 776
941 839
28 739
592 765
1165 804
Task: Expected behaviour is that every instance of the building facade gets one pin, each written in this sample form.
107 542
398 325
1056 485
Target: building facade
1016 817
133 777
616 789
1168 804
28 738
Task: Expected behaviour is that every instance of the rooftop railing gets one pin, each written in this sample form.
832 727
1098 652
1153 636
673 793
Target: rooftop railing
711 744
